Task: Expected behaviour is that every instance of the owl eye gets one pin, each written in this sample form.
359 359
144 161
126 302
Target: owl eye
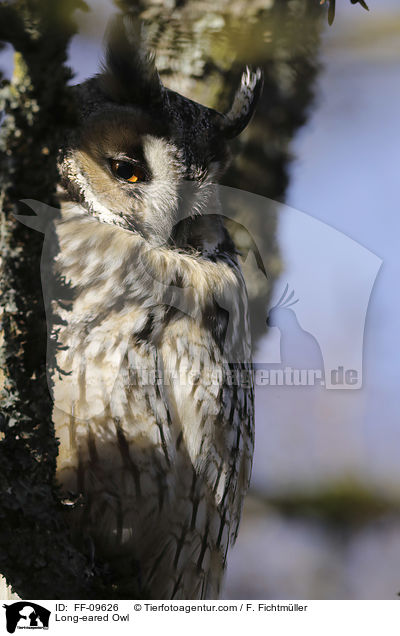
127 171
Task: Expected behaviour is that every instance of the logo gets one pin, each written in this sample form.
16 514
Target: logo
316 322
26 615
298 360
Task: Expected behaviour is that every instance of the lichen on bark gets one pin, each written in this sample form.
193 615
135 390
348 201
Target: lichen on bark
36 554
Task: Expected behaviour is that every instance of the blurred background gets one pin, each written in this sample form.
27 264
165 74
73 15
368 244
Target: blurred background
322 520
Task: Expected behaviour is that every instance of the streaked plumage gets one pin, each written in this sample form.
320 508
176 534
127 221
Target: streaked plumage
155 432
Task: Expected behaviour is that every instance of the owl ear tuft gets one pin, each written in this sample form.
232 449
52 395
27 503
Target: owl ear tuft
129 73
244 103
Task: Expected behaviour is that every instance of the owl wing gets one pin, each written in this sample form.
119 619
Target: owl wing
211 401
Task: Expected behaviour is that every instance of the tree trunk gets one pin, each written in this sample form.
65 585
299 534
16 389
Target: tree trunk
36 554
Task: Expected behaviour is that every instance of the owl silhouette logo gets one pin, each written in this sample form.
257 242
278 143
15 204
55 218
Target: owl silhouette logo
26 615
299 349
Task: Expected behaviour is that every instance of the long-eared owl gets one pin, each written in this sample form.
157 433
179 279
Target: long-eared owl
153 391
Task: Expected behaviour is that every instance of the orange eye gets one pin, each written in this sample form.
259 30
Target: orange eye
127 171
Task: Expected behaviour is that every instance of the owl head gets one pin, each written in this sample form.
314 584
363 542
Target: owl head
144 156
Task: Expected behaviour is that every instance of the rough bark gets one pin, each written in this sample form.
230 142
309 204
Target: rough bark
36 554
